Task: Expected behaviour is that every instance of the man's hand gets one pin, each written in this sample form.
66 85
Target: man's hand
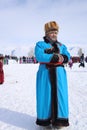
61 58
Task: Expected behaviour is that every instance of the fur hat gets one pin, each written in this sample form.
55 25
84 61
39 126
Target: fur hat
51 26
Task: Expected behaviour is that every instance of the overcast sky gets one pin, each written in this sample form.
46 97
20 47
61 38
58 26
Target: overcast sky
22 21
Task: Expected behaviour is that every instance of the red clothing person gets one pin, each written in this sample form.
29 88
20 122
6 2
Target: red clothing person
1 70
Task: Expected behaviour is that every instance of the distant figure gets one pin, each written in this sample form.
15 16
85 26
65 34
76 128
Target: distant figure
82 59
1 70
86 59
70 63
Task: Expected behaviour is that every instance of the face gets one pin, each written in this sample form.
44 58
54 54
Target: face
53 35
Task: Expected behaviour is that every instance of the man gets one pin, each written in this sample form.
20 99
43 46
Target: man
51 82
82 59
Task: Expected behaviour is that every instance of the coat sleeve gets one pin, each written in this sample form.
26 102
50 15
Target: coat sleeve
40 54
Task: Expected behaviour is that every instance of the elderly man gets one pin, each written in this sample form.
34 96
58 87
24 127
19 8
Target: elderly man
51 82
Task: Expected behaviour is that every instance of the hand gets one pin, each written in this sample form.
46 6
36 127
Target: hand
61 58
57 58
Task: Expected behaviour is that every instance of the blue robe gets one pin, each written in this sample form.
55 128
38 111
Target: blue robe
44 89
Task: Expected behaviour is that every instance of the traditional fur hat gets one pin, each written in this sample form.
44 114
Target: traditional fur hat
51 26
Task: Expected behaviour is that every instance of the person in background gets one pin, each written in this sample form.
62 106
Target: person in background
70 63
51 80
82 61
1 70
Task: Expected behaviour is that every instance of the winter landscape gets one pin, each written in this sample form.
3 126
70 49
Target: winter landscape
18 97
21 26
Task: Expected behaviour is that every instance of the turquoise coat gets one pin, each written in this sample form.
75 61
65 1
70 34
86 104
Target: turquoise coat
43 85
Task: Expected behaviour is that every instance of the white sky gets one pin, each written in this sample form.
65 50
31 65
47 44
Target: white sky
22 21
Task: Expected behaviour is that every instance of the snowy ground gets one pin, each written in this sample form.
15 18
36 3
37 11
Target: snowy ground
17 97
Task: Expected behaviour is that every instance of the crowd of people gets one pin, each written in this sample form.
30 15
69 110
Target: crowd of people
24 59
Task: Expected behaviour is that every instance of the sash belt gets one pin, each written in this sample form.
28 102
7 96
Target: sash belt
52 65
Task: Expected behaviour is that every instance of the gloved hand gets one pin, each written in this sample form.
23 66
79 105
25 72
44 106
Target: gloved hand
61 58
57 58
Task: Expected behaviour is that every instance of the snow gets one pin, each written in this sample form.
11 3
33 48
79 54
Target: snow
18 97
